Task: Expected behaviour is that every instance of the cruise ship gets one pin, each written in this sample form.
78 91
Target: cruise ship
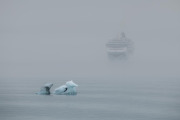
119 47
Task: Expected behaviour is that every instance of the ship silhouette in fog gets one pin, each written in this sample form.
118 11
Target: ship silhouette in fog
120 47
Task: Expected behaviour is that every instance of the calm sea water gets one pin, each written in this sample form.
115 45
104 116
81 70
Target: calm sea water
97 99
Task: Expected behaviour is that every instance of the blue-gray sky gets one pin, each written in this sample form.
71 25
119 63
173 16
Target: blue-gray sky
43 38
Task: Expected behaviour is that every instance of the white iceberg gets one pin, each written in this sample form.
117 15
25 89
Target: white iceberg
68 89
45 90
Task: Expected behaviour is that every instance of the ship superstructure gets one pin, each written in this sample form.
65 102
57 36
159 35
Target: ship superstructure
120 46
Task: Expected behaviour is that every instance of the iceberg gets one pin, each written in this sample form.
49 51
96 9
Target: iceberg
68 89
45 90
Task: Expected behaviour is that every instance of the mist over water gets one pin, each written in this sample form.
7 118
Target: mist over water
59 38
55 41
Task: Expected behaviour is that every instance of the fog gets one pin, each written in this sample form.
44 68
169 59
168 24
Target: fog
42 38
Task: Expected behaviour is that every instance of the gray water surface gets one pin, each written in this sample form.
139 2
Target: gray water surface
97 99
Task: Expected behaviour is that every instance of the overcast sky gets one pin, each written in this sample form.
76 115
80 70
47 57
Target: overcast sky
56 38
